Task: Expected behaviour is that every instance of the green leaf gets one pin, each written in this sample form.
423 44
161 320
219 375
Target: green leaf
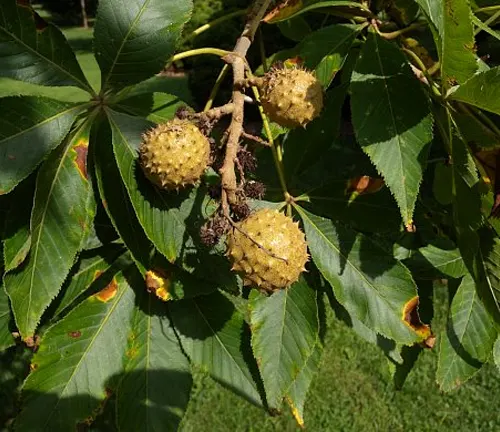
297 392
90 267
284 333
34 51
157 107
70 376
134 40
16 236
213 334
396 138
6 338
437 261
468 340
30 128
161 214
454 38
295 29
496 352
373 286
155 389
116 200
62 213
482 91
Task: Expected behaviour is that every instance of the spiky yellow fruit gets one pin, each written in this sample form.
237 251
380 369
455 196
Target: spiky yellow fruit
268 249
174 154
291 97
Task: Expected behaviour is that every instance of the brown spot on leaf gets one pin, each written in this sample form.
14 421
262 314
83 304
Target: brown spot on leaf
412 319
81 150
132 352
75 334
158 282
429 342
411 227
363 185
284 9
109 292
11 157
33 366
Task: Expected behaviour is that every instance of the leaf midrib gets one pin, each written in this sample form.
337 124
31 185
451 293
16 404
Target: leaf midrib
396 129
124 41
84 85
97 333
40 227
299 209
43 122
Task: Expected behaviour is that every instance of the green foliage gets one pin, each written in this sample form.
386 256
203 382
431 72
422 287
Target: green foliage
123 289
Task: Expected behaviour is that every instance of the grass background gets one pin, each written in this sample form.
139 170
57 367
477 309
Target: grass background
353 390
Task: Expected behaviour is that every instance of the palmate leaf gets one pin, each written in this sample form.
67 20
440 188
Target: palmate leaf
34 51
373 286
16 235
468 340
284 333
6 338
116 200
161 214
482 91
453 33
396 138
77 360
30 127
215 337
134 39
63 210
156 385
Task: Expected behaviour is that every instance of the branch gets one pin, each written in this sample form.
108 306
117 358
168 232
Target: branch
237 59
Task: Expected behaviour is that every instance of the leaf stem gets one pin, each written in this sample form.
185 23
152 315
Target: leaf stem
397 33
215 89
199 51
277 153
214 23
486 23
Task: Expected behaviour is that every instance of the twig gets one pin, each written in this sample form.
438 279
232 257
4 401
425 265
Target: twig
255 138
237 60
215 113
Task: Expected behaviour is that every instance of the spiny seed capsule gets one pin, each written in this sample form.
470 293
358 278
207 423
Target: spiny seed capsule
269 250
291 97
174 154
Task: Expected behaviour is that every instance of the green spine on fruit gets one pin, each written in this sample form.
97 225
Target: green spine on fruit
174 154
278 258
291 97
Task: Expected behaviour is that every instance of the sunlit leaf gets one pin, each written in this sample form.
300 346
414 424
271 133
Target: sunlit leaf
468 340
284 333
133 40
396 138
77 362
156 385
35 51
372 285
62 213
30 128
